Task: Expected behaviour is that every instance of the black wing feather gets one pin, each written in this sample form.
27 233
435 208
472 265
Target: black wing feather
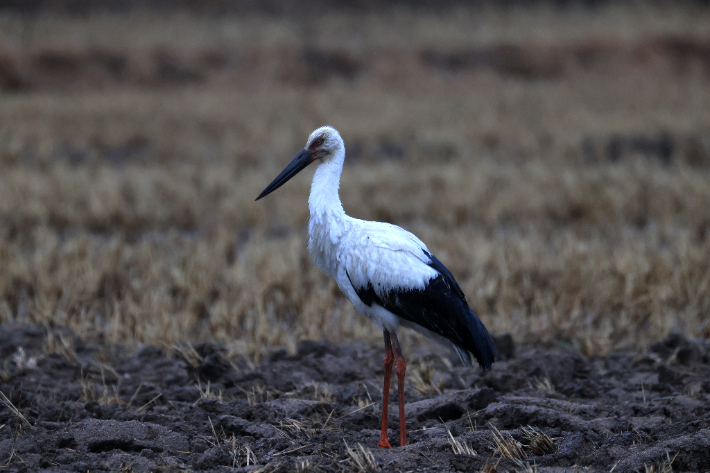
441 308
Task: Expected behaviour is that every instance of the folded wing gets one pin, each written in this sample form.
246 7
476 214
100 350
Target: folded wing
401 275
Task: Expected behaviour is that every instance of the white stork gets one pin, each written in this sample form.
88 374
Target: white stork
387 273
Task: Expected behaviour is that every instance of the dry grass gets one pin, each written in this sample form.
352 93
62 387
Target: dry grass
295 429
540 442
246 452
127 213
459 447
258 394
361 458
665 466
543 385
22 420
208 393
507 447
424 378
320 392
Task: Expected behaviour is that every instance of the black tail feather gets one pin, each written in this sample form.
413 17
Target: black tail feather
474 335
480 343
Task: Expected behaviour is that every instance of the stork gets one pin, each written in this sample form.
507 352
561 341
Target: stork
387 273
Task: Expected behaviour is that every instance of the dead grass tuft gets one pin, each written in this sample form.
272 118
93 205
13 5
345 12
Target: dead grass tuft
459 447
507 447
22 420
489 467
424 379
305 466
242 456
527 468
258 394
58 343
126 468
208 393
187 352
21 423
666 466
361 458
543 385
321 392
540 442
295 429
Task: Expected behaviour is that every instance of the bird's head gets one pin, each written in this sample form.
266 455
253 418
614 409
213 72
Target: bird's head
322 145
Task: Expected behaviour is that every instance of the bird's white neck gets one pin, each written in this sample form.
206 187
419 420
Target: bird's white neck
324 196
328 222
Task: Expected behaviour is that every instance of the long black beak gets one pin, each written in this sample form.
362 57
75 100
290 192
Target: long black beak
303 159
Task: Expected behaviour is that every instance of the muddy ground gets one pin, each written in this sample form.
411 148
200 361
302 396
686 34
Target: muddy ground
90 407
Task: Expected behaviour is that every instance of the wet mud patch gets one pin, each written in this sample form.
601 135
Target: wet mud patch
71 405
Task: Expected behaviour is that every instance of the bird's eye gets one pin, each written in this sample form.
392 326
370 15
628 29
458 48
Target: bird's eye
319 142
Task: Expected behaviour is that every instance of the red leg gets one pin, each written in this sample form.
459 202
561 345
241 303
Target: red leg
400 368
389 358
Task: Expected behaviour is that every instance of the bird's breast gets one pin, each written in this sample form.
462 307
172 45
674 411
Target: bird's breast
325 235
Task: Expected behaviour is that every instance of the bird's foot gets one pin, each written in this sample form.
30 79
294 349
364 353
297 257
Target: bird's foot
384 443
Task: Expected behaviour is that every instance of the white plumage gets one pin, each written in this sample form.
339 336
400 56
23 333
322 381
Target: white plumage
380 253
387 273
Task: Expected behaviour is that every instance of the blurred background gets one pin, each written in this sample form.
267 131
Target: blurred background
555 155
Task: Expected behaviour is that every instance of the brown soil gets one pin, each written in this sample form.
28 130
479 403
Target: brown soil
92 407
